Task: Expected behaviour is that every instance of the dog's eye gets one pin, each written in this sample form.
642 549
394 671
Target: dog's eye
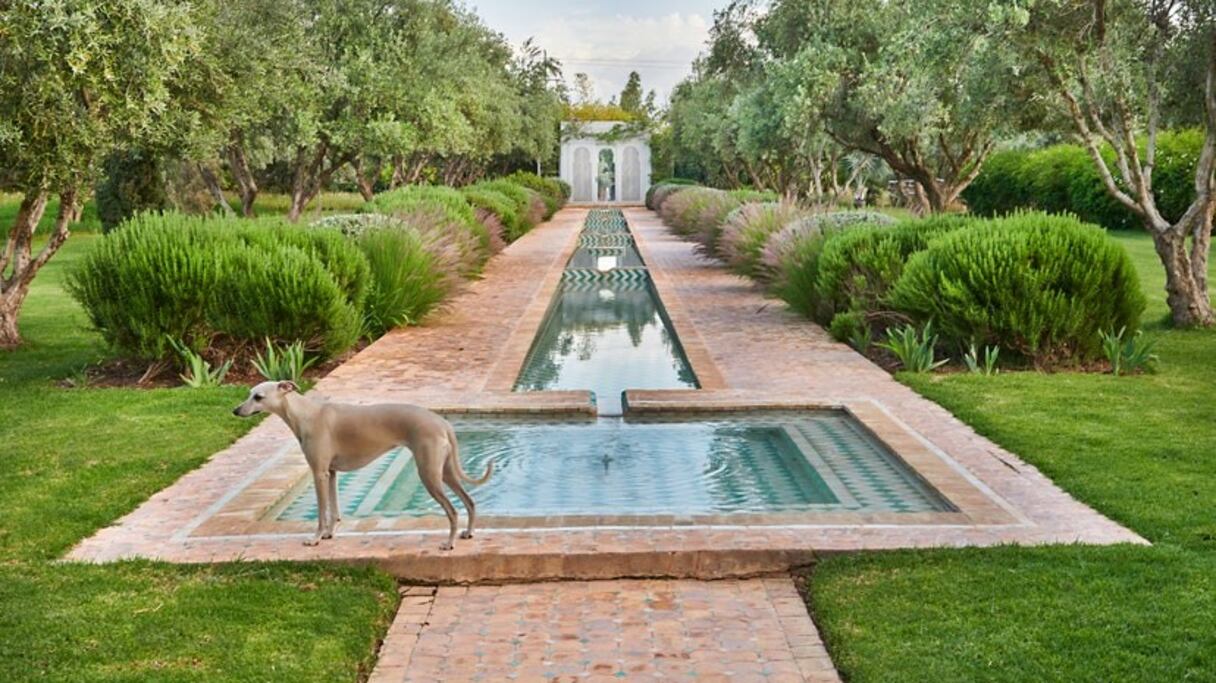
257 397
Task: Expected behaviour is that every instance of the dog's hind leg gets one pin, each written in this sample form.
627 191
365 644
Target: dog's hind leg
452 479
436 491
430 457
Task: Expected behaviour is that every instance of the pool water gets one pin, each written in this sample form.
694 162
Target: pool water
606 330
764 462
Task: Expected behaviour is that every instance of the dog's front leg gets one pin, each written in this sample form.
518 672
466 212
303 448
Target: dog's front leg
335 506
320 480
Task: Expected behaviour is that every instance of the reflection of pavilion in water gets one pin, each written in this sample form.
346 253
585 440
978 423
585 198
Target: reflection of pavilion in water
605 258
614 317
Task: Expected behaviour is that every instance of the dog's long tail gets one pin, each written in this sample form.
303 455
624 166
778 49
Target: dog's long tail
460 467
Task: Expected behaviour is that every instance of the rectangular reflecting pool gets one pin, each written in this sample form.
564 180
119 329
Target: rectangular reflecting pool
606 330
762 462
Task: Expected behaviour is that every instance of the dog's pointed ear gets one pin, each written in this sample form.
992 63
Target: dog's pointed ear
288 385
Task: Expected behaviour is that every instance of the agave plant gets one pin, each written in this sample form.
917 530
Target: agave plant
199 374
985 366
915 350
288 363
1128 354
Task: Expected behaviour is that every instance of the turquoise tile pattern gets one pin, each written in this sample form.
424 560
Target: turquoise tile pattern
799 461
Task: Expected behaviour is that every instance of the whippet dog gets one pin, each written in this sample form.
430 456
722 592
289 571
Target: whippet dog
337 437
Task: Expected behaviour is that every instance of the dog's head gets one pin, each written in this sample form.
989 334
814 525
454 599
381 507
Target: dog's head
266 397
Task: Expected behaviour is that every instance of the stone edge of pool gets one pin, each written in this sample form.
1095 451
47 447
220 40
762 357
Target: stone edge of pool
1011 501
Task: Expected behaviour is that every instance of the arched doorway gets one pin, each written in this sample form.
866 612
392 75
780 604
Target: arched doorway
631 176
582 175
606 177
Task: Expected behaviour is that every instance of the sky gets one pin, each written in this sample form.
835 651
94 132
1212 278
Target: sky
607 39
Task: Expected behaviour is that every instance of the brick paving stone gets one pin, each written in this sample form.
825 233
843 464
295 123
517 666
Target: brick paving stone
606 631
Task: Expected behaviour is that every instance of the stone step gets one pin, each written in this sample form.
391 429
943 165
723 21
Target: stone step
521 564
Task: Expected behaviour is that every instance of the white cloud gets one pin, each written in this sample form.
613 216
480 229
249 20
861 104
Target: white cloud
607 48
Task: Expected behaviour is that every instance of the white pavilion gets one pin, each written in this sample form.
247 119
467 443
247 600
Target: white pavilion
604 162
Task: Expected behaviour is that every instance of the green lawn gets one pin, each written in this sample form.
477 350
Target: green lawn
77 459
1140 449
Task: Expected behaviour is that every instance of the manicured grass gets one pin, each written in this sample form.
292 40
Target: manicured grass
1020 614
77 459
139 621
1139 449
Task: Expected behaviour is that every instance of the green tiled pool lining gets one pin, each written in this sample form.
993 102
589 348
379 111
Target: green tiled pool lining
763 462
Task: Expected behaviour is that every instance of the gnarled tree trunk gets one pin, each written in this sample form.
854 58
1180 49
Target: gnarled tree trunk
1115 123
366 176
24 264
214 188
1186 286
243 175
310 176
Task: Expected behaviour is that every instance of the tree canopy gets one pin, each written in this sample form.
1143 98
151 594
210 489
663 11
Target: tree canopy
392 90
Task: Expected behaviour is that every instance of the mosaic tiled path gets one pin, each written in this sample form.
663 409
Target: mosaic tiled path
634 631
746 351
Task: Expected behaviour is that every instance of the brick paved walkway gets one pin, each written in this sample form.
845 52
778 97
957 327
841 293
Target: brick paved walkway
635 631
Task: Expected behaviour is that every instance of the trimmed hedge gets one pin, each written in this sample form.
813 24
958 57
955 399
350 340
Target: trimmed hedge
219 280
1063 179
747 229
859 266
1040 286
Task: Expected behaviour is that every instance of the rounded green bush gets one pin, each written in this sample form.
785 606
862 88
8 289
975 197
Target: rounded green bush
204 280
847 325
859 266
492 200
1037 285
283 294
341 258
791 257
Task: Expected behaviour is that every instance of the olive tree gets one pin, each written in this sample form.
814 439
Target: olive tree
78 79
1107 64
920 85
